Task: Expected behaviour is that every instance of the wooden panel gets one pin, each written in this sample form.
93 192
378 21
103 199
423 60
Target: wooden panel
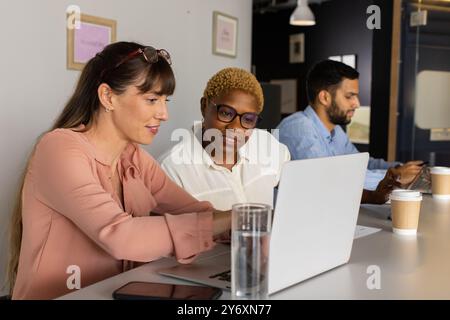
394 80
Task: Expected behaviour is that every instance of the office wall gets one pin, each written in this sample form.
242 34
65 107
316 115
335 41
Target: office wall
340 29
34 82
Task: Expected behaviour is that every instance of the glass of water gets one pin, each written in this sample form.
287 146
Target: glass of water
250 242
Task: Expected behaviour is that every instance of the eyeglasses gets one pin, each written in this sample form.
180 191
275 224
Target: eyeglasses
227 114
150 54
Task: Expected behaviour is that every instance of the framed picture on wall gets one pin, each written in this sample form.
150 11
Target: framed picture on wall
297 48
288 94
88 38
358 130
225 28
335 58
348 59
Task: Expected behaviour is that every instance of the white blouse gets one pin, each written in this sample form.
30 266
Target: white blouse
251 179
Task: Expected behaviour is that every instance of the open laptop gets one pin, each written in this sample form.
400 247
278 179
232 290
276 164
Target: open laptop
313 225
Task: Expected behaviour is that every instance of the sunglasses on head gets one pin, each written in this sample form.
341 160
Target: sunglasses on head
227 114
150 54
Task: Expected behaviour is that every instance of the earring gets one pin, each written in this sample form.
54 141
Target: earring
107 110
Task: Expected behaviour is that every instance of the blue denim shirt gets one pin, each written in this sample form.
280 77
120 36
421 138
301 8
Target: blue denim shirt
307 137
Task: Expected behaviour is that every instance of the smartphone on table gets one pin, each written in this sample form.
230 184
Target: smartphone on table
163 291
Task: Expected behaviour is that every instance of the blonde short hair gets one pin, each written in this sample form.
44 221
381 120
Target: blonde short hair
234 79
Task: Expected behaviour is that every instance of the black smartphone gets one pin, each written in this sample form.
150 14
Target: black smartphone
156 291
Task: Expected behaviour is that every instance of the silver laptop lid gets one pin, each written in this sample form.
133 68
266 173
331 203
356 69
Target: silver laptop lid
313 227
315 217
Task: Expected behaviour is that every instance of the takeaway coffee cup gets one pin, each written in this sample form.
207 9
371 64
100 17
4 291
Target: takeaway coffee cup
440 182
405 210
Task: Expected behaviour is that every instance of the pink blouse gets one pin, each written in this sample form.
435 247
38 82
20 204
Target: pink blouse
72 216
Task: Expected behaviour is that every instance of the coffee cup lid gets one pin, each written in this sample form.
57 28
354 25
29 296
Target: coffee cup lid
440 170
406 195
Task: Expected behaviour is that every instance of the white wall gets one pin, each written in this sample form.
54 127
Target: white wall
34 82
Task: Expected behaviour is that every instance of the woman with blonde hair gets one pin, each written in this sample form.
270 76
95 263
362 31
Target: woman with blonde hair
226 159
91 196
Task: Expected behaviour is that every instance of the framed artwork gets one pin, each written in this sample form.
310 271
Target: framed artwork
348 59
335 58
288 94
358 130
225 30
87 38
297 48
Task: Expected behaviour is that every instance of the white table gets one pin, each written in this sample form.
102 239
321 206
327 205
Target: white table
410 268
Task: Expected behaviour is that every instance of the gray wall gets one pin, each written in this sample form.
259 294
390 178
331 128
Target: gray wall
34 82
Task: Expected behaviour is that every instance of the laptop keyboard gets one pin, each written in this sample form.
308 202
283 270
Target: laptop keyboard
223 276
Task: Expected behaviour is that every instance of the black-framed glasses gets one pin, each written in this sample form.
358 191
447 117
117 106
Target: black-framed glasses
150 54
227 114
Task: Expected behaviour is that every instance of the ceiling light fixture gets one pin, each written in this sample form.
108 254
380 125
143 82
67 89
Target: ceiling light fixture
302 15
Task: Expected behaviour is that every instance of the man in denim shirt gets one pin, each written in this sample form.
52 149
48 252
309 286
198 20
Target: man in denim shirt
333 89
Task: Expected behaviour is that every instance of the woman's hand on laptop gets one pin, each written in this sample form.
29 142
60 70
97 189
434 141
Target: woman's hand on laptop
221 222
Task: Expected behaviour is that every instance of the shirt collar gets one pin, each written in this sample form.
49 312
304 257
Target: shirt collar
249 151
197 145
98 155
311 114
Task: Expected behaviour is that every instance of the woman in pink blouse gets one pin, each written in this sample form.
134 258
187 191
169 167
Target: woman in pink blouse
91 196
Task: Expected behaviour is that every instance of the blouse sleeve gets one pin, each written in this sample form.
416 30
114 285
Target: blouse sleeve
189 220
63 177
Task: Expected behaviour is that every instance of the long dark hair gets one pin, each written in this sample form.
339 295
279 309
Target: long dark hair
83 106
